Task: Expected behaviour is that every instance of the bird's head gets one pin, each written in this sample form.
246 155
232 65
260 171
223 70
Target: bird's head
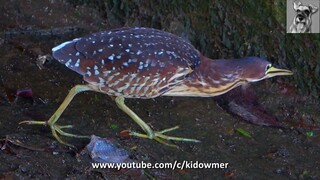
254 69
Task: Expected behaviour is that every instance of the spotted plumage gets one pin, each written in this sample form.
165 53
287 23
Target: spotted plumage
146 63
130 62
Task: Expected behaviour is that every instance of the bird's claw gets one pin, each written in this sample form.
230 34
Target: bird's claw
56 129
161 138
34 122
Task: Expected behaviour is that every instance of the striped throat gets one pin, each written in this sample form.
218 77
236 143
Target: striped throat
216 77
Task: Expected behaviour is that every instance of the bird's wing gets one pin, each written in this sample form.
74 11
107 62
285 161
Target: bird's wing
130 58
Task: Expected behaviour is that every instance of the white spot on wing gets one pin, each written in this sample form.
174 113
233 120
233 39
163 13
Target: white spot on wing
126 64
120 89
101 80
111 58
77 63
162 64
68 63
134 60
106 73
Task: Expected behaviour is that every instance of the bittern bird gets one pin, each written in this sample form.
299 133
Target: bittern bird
147 63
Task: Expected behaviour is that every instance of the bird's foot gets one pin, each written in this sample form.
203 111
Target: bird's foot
161 138
56 129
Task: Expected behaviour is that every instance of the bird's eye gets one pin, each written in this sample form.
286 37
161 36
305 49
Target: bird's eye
268 66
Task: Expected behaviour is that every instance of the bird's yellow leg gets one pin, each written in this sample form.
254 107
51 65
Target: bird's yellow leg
156 135
55 128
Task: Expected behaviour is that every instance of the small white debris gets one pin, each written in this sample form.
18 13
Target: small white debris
41 60
139 52
100 50
77 54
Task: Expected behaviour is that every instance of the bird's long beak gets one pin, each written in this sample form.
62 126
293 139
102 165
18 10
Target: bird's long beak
272 71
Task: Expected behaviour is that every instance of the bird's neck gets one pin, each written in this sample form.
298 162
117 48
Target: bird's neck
212 78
